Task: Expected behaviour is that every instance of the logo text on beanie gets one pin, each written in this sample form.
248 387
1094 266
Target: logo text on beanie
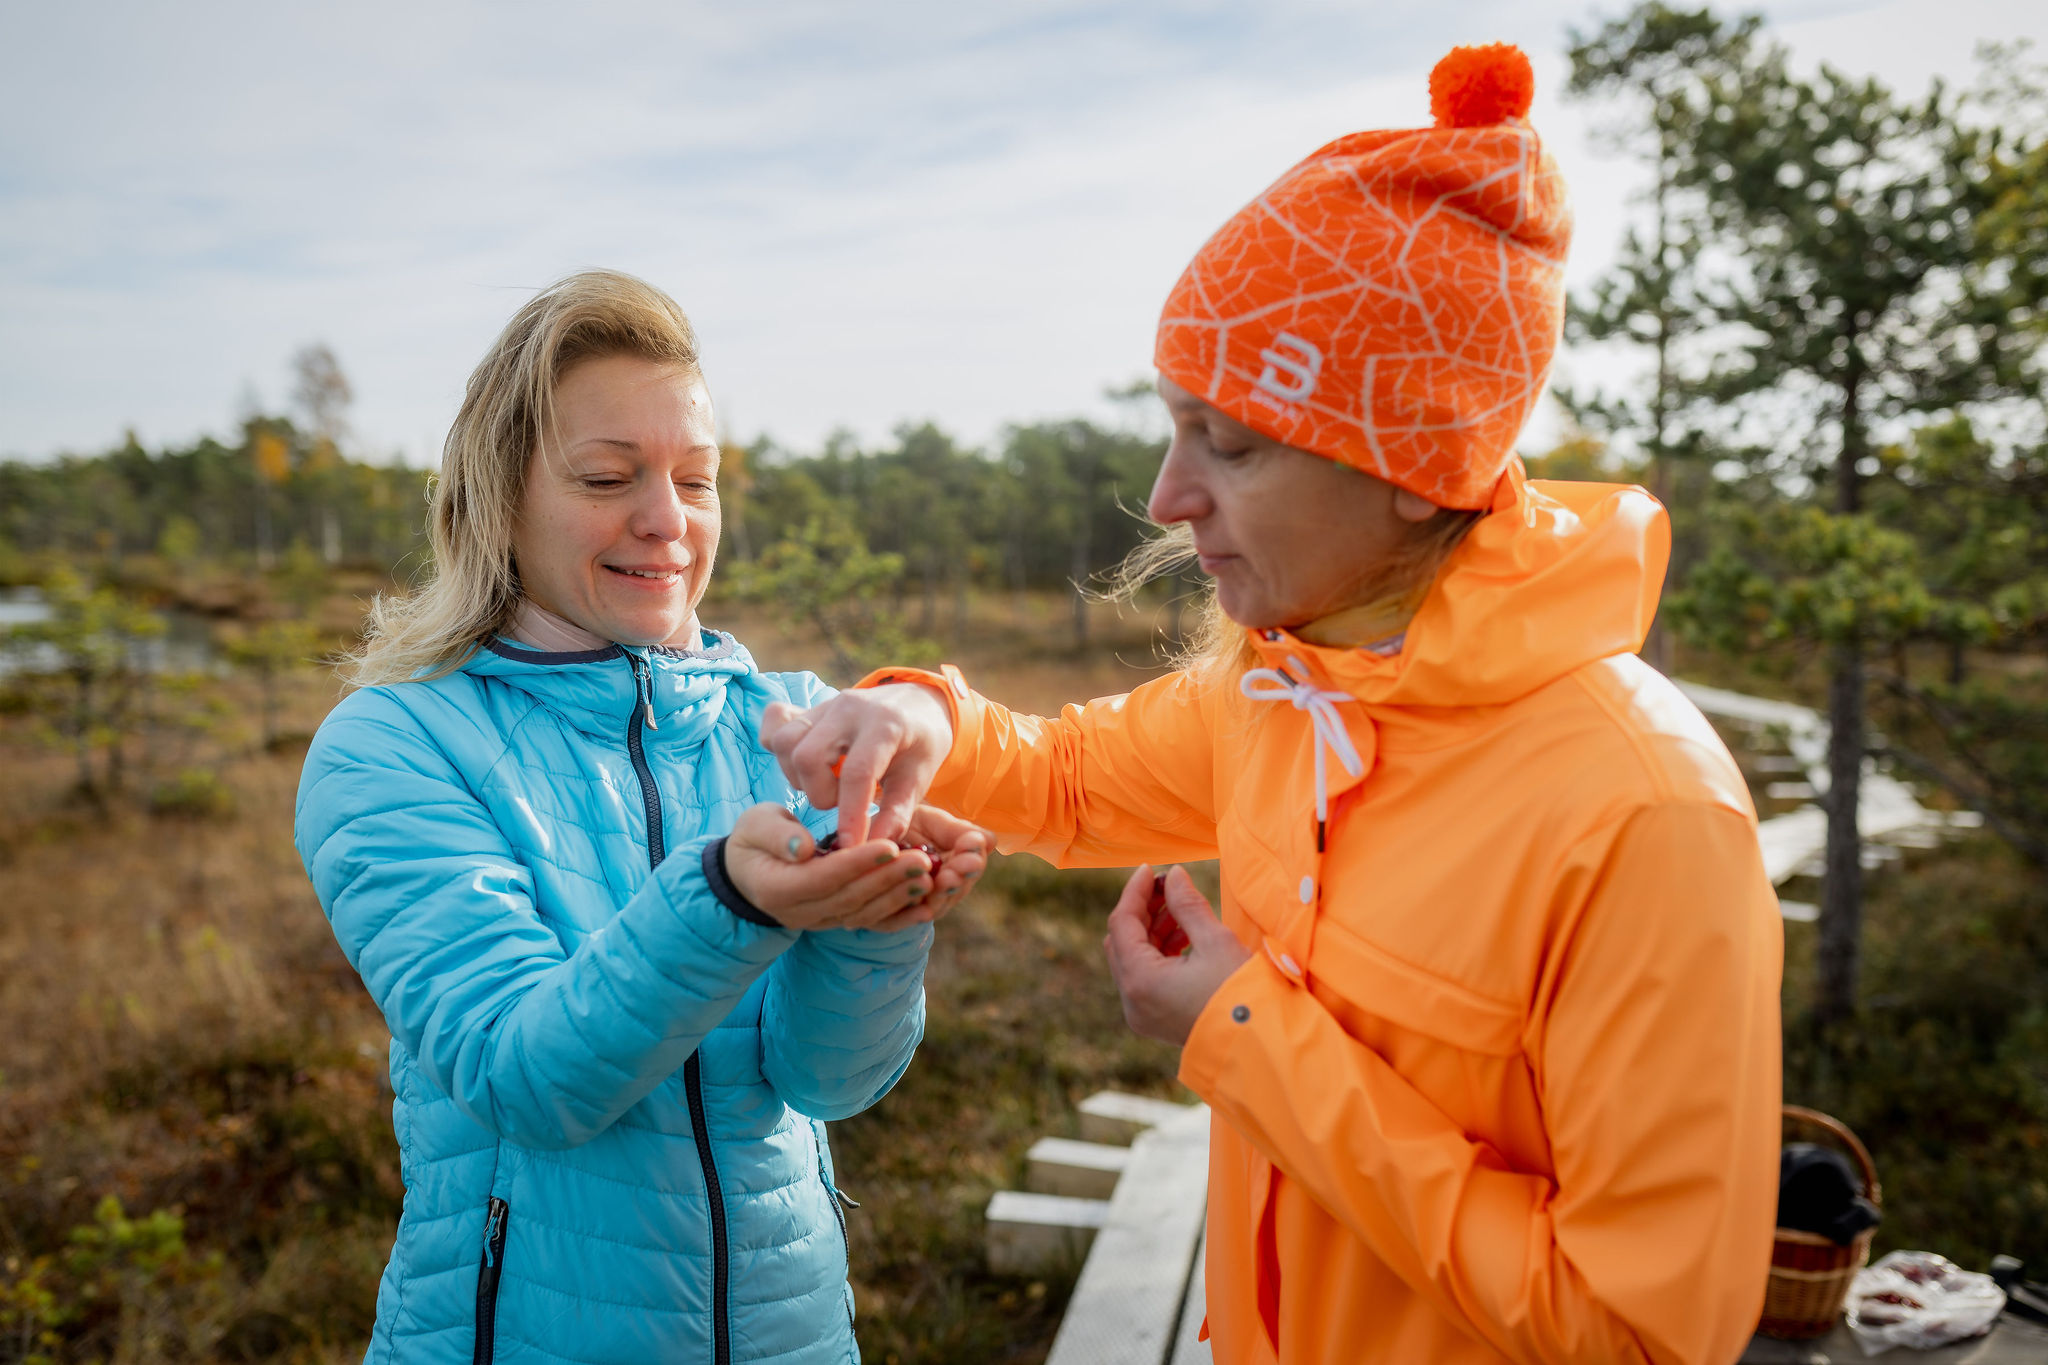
1292 368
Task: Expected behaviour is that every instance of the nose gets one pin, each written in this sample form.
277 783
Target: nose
1178 494
658 513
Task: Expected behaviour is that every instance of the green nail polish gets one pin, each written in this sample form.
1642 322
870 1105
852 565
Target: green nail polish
794 845
884 859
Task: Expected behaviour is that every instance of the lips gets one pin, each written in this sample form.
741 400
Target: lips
652 575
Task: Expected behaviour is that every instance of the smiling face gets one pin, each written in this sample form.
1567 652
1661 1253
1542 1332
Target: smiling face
619 522
1289 537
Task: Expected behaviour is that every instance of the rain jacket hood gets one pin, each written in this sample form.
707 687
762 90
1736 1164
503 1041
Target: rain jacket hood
1500 1078
1556 576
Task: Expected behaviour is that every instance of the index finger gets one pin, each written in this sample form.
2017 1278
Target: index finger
857 778
1129 939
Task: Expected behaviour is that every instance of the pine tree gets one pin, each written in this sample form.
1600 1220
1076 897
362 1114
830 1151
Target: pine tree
1855 293
1656 63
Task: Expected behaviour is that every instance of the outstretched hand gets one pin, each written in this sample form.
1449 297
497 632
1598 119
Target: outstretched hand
875 884
1168 953
863 747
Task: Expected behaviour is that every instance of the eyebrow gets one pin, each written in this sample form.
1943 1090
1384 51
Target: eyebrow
621 443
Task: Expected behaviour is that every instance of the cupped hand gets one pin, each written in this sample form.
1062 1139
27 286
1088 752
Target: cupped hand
962 851
773 862
862 747
1167 966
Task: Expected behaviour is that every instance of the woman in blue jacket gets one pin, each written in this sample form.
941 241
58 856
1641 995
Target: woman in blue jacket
624 990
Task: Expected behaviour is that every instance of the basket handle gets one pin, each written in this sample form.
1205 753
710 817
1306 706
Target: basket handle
1837 1129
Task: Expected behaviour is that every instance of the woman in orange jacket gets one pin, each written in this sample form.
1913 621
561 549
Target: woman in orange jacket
1489 1021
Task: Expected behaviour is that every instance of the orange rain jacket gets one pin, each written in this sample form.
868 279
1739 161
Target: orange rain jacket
1503 1083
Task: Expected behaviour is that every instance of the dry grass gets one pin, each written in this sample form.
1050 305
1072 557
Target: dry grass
179 1031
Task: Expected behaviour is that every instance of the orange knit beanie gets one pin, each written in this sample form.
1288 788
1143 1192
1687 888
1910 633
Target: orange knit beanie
1392 302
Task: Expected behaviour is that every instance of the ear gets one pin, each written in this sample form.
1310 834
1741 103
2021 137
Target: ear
1413 507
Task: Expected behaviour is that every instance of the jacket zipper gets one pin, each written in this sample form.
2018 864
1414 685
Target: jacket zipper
721 1329
693 1069
650 799
839 1216
487 1276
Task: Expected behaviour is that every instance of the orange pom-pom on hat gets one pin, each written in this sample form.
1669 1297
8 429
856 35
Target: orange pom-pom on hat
1475 86
1393 301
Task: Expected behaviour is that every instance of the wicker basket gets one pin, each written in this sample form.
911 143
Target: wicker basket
1810 1274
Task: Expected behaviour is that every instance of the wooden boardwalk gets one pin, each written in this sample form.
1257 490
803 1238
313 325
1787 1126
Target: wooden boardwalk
1139 1298
1888 813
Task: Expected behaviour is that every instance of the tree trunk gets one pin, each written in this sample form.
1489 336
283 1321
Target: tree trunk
1657 648
1841 903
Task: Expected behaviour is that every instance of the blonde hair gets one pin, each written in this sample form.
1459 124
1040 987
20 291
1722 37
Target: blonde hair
471 587
1218 649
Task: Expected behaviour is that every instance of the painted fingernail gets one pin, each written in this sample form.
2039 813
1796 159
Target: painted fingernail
884 859
952 890
795 845
913 874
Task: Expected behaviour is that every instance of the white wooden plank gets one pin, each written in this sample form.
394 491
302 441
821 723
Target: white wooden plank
1029 1234
1789 841
1086 1170
1126 1305
1886 808
1114 1117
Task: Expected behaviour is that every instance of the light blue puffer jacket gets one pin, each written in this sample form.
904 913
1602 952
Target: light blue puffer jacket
610 1087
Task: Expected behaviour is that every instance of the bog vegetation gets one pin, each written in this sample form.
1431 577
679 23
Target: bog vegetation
1831 316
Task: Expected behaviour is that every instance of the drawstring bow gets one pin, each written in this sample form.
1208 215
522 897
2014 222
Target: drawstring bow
1273 684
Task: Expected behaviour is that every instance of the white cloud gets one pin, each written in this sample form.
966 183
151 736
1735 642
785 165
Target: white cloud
873 213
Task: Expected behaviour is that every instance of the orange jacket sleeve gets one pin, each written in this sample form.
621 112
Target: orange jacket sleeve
1117 781
1655 1043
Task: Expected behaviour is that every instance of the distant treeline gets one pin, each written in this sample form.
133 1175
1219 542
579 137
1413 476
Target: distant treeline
1055 504
250 501
1052 505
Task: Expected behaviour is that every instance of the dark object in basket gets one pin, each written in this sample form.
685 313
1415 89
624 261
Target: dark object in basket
830 844
2023 1298
1819 1191
1810 1273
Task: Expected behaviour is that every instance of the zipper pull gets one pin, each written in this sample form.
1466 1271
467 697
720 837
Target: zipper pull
643 674
494 1232
845 1198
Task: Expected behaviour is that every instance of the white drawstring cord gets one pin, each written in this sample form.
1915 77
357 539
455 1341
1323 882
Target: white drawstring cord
1272 684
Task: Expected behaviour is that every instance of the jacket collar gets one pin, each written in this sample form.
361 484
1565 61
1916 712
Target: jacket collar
600 691
1555 576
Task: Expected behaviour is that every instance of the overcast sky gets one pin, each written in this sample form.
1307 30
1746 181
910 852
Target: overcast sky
874 213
